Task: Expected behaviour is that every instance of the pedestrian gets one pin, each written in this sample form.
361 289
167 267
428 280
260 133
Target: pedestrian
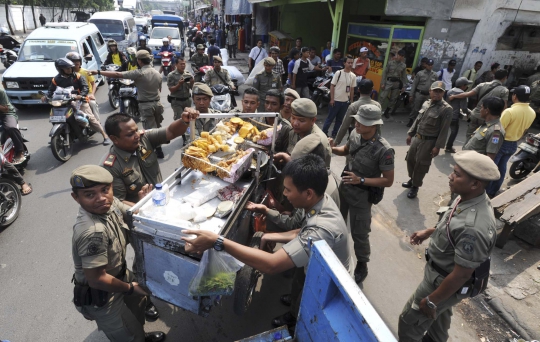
341 95
489 137
495 88
369 170
250 102
394 79
459 106
180 82
488 75
305 180
336 62
42 19
105 289
231 41
213 50
348 124
297 46
313 58
420 89
266 80
219 37
361 64
472 74
278 68
257 54
219 75
426 137
199 60
419 68
202 95
515 121
326 52
302 67
447 74
462 241
148 82
294 55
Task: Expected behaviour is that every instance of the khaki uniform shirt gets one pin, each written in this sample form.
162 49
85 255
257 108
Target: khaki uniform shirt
148 81
473 231
423 81
487 138
211 78
172 80
395 69
433 120
369 158
322 222
198 61
100 240
264 81
352 110
131 171
533 78
294 138
500 92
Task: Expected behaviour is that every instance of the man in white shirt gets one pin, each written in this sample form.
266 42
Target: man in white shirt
341 95
446 75
257 54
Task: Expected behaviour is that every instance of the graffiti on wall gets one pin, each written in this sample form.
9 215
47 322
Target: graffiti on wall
442 49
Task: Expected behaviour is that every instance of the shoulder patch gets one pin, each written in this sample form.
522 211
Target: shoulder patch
109 161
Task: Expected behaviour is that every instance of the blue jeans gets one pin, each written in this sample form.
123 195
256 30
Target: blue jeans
336 111
508 148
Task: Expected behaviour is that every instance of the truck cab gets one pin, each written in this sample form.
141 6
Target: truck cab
163 26
34 69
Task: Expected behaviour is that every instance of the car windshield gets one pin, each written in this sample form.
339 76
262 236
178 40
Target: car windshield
109 28
45 50
162 32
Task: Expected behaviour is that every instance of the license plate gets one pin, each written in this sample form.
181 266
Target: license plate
220 97
57 119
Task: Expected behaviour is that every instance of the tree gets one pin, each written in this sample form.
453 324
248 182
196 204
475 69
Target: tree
6 4
33 13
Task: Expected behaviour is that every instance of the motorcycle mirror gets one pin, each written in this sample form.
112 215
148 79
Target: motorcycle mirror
88 57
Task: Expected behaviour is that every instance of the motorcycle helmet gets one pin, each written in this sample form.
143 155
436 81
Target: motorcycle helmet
165 40
62 63
73 56
142 38
4 31
131 52
111 43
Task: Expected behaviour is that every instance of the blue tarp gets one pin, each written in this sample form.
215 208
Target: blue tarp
237 7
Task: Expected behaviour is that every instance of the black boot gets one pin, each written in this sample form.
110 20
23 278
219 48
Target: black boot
286 319
387 113
154 336
286 300
413 192
361 272
407 184
151 311
409 124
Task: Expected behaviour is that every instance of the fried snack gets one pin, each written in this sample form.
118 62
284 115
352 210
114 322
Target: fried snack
227 164
238 140
237 121
204 134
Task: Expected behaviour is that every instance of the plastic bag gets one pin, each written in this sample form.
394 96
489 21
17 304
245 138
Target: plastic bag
256 69
216 275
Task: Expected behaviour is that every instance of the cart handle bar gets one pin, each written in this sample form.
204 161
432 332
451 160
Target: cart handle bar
237 115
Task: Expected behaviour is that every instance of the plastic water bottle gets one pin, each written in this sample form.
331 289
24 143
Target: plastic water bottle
160 200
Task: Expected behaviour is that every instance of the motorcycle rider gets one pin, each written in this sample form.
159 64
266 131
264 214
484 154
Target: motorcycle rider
115 56
131 59
8 116
77 60
142 45
168 48
198 39
199 60
7 41
67 77
218 75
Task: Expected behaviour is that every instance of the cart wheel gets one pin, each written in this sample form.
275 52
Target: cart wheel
246 280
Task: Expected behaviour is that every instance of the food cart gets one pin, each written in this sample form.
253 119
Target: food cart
283 41
164 267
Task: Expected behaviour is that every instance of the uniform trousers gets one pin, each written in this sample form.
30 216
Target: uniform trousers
360 222
94 123
389 95
179 106
122 318
454 130
297 286
232 50
419 100
151 114
419 159
473 126
413 323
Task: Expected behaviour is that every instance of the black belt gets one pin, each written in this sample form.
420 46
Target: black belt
148 101
436 267
422 92
392 79
423 137
179 98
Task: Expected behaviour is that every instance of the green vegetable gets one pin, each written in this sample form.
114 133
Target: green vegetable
221 282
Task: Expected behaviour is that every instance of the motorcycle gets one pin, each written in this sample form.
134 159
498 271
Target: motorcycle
321 94
8 148
114 86
128 98
69 123
222 98
8 56
166 62
527 158
10 197
192 49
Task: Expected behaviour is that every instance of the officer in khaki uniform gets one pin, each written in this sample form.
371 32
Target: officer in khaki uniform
199 60
266 80
202 94
420 89
394 79
323 221
471 226
180 82
427 136
371 164
100 238
489 137
218 75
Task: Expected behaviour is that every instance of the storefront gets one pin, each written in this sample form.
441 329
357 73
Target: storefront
382 41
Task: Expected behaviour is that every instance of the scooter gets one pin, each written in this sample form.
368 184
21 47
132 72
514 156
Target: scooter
527 158
166 59
8 149
8 57
128 98
321 94
114 86
222 98
10 197
69 123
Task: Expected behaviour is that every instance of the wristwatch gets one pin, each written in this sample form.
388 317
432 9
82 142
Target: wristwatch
430 304
362 180
99 72
130 291
218 245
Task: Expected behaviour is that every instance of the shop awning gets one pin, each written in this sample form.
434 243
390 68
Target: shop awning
202 7
237 7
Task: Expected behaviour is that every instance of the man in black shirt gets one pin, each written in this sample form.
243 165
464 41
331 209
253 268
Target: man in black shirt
300 73
421 67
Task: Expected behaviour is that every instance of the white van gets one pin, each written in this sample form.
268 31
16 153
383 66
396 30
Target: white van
117 25
34 69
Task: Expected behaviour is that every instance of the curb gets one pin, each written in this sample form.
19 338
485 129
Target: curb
497 305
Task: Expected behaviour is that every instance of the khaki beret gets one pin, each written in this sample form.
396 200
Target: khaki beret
87 176
369 115
200 46
478 166
292 93
141 54
305 146
269 61
201 89
304 107
217 58
438 85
